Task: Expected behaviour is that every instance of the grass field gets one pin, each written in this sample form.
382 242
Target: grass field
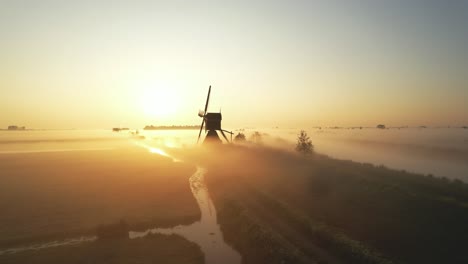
157 248
275 206
53 195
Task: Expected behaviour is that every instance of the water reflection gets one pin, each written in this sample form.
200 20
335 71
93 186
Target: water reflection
206 232
158 151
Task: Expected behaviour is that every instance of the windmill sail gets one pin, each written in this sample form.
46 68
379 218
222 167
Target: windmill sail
204 113
212 123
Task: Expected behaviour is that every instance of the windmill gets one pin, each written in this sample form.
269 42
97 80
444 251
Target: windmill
212 122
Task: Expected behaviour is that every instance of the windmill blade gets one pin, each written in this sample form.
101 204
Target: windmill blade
207 100
201 128
224 135
204 113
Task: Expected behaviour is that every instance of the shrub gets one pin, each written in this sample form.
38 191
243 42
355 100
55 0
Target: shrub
240 137
304 144
256 138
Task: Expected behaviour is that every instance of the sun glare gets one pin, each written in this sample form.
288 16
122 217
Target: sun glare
159 103
158 151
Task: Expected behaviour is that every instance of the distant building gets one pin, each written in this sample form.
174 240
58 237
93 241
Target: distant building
117 129
16 128
381 126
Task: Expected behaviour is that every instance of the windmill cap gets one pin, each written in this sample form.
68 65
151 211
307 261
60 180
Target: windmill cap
213 116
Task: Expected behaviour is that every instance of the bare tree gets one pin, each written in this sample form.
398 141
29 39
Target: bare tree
304 144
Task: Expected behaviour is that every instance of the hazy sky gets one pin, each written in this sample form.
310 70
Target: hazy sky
100 64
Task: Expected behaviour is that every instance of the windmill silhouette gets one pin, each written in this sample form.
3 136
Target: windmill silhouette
212 123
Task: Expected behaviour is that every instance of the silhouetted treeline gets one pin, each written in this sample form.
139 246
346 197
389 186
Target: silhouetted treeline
151 127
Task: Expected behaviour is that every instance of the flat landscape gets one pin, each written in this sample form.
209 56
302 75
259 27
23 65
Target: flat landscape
151 249
233 132
272 205
57 195
275 206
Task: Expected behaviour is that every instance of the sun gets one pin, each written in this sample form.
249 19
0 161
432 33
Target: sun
158 103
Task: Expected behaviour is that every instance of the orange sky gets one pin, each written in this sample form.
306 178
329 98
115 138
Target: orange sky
102 64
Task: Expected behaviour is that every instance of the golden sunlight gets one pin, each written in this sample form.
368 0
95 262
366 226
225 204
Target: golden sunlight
159 102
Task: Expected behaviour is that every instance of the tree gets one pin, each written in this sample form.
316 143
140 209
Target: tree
239 138
256 138
304 144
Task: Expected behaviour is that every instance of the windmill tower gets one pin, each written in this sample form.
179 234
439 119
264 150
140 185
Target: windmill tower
212 123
